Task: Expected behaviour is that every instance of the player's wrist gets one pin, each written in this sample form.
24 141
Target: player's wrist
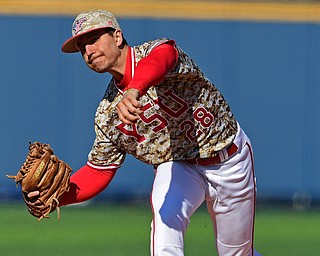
132 90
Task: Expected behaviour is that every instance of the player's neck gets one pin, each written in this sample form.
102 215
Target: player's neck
119 69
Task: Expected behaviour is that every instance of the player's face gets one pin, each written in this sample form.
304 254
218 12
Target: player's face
100 50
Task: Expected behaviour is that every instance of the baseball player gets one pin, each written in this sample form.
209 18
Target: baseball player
163 110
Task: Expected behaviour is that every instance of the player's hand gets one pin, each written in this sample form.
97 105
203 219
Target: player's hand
33 195
33 202
33 198
129 107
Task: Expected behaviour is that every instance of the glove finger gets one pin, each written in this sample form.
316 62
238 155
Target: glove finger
50 173
57 182
30 181
37 208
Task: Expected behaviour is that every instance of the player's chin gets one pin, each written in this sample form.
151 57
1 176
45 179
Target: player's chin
97 68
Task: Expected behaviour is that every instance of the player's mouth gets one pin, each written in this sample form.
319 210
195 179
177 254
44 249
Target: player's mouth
94 59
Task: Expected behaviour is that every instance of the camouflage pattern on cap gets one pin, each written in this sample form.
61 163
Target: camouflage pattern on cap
92 20
86 22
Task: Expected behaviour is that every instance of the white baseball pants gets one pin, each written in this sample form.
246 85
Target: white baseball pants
229 190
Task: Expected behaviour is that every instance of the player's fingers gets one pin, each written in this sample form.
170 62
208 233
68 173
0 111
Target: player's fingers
128 109
129 118
124 119
33 194
131 105
32 199
130 99
136 104
36 205
128 114
133 111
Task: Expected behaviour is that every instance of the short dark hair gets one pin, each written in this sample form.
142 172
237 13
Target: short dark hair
111 31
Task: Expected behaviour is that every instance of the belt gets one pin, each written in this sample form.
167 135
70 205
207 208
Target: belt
221 156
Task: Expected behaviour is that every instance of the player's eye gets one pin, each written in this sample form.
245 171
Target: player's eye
82 48
95 39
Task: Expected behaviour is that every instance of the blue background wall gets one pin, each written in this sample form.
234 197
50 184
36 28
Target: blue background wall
267 71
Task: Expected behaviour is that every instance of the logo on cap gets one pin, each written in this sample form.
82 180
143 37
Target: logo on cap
77 26
110 23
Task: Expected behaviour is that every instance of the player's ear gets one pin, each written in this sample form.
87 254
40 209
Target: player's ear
118 37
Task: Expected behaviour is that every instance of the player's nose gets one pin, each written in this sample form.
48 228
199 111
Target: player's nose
89 50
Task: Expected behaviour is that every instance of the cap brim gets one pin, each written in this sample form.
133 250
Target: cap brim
69 45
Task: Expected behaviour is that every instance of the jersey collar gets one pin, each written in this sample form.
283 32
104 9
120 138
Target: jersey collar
129 71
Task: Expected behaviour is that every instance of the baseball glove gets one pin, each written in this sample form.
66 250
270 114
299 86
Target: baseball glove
42 171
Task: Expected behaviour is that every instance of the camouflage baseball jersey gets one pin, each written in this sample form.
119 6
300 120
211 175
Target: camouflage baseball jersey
184 117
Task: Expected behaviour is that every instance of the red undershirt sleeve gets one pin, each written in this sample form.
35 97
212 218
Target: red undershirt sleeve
86 183
152 69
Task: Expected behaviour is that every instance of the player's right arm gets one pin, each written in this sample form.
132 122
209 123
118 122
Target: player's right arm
149 72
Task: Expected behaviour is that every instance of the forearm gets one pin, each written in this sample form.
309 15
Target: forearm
86 183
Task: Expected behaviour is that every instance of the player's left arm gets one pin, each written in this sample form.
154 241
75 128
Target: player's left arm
87 183
84 184
149 72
